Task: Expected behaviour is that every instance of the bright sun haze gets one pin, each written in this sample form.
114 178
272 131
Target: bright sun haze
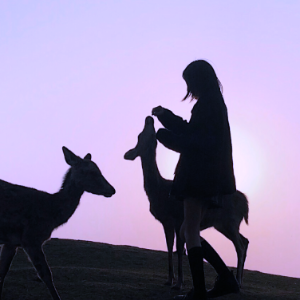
86 74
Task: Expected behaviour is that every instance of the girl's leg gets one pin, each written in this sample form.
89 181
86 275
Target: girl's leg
198 248
193 210
225 282
191 223
213 258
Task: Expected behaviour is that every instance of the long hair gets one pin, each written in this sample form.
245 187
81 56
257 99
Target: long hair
200 76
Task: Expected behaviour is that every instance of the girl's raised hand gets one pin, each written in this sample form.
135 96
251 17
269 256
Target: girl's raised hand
157 111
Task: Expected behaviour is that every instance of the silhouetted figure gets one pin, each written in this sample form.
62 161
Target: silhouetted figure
204 173
28 216
169 213
157 188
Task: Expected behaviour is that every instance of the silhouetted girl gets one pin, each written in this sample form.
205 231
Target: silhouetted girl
204 172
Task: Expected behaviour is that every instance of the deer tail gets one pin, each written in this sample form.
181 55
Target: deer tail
245 206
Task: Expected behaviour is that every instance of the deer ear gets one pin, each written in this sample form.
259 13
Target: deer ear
88 156
70 157
131 154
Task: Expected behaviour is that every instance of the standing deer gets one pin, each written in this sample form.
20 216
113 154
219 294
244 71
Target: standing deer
28 216
225 219
169 213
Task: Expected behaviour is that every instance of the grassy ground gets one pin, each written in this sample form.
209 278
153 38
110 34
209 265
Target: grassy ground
86 270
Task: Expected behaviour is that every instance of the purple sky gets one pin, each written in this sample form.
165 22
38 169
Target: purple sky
85 74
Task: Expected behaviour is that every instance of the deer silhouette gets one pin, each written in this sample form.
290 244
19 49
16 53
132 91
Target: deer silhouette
169 213
28 216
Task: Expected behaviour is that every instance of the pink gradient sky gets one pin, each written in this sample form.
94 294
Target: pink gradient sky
85 74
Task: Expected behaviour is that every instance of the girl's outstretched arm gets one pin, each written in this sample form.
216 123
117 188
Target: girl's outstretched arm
170 121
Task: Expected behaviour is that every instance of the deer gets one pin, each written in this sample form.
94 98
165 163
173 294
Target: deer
28 216
225 218
169 213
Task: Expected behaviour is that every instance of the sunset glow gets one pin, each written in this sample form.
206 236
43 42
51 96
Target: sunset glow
85 74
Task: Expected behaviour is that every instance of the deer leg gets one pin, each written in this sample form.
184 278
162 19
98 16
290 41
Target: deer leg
234 235
245 243
241 245
38 259
7 254
179 247
169 234
240 250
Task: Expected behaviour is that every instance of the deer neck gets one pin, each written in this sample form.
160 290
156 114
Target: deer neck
152 177
66 200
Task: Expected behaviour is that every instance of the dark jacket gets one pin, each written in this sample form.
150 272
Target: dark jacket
205 166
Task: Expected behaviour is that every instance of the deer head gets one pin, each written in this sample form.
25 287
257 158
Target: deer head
87 175
146 141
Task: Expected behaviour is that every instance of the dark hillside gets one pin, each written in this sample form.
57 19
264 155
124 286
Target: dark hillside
85 270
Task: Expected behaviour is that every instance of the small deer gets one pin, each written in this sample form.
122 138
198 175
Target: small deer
28 216
169 213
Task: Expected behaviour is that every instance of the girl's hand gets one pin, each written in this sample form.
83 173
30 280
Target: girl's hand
157 111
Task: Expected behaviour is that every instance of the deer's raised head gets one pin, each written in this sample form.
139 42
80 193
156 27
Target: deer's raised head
86 174
146 141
